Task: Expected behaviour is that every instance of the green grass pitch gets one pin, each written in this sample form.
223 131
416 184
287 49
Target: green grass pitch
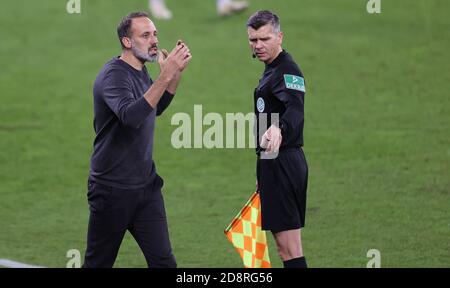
377 130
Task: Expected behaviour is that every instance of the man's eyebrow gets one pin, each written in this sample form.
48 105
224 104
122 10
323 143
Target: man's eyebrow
260 38
149 32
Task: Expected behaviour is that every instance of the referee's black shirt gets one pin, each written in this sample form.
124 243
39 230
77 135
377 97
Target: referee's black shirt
281 90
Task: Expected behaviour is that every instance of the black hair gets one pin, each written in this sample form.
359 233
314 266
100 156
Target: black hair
124 27
264 17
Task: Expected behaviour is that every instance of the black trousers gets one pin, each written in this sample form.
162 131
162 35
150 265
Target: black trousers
113 211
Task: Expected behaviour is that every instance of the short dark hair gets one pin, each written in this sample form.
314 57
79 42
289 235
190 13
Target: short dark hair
123 29
264 17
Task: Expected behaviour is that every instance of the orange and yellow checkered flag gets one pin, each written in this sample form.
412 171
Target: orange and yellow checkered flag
245 233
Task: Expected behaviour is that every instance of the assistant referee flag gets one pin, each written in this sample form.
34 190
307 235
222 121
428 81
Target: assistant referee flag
245 233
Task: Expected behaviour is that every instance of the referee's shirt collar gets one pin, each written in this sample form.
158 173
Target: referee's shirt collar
277 60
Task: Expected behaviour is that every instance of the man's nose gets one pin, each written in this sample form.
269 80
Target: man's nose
154 41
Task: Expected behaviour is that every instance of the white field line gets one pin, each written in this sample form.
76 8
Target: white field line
14 264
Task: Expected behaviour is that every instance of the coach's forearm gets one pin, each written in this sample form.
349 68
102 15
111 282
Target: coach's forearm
164 102
155 92
173 84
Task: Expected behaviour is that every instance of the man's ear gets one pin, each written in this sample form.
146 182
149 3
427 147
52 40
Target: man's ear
126 42
280 37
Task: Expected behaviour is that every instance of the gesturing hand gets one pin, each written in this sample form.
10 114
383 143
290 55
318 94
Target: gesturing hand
174 62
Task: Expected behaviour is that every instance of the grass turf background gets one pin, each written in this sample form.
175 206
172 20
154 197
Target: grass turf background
376 132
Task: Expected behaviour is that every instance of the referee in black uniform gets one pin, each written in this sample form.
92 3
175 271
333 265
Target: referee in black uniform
282 171
124 190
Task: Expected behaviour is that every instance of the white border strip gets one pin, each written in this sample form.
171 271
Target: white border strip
14 264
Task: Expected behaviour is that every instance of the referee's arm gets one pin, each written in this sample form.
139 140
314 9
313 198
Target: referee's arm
293 100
